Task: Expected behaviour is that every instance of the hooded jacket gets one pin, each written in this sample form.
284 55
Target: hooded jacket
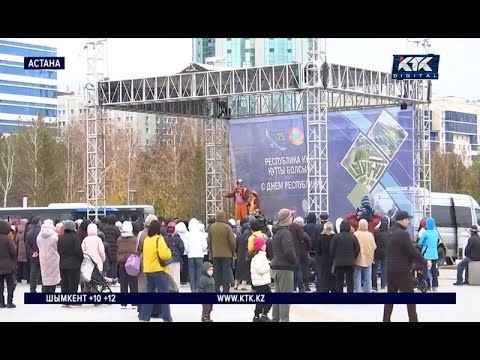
206 284
301 242
344 247
196 244
182 231
7 250
93 246
20 241
284 257
126 246
70 251
260 269
47 242
367 245
429 240
221 240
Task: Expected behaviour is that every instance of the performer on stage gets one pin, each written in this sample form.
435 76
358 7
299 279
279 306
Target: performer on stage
241 195
254 203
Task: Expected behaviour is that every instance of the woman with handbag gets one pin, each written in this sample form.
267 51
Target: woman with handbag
126 245
156 257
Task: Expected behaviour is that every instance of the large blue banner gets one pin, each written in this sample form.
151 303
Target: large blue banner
370 153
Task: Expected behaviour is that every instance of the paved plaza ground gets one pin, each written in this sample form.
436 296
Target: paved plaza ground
466 310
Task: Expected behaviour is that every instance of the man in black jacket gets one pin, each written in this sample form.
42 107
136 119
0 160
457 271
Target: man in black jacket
32 253
283 263
472 253
400 257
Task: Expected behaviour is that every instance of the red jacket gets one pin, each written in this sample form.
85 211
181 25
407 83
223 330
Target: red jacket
352 219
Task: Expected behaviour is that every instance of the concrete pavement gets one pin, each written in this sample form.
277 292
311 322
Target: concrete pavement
466 310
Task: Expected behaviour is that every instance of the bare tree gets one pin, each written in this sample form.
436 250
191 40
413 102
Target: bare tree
74 142
8 157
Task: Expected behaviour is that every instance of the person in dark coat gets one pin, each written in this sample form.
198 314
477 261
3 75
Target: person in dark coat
302 246
344 249
137 224
242 268
472 253
108 255
381 238
400 257
8 257
21 252
71 258
177 247
206 284
112 233
325 280
82 230
32 253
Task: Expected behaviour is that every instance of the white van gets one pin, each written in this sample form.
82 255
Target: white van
454 214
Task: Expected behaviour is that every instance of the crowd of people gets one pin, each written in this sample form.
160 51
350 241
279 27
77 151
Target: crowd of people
287 254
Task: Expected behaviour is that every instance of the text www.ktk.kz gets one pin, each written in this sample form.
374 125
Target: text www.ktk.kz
241 298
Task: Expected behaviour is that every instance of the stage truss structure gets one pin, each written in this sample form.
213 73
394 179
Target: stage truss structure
313 87
95 130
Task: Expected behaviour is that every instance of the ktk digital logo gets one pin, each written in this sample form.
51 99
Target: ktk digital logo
407 67
44 63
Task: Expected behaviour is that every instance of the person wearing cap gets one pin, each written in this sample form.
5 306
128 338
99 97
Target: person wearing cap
400 257
283 262
241 194
472 253
254 203
260 270
126 245
71 258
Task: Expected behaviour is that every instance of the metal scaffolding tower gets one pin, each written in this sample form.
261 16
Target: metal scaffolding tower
316 81
95 129
215 132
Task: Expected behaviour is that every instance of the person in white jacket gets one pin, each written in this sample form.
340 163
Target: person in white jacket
93 246
260 272
195 247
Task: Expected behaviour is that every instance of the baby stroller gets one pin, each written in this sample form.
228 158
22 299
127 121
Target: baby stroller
417 272
92 279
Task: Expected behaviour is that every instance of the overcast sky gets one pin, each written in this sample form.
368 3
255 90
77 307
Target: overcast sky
136 58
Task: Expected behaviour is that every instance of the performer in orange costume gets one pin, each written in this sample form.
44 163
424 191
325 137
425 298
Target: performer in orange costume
241 195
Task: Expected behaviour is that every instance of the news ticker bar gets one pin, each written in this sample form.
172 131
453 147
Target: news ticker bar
238 298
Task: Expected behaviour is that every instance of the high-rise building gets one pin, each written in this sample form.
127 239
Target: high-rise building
147 127
455 127
24 94
247 52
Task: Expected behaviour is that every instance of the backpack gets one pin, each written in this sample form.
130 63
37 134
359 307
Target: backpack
132 265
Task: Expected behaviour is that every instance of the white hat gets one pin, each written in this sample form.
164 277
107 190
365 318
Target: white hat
119 225
127 227
231 222
299 220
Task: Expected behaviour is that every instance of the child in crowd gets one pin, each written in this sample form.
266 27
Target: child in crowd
206 284
260 272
